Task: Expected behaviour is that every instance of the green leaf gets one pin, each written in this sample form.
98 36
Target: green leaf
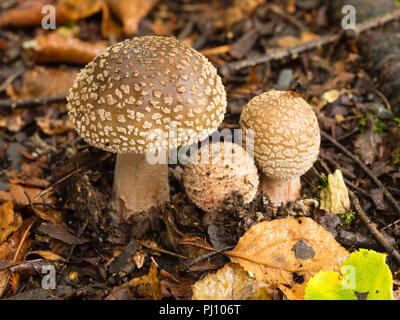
327 285
372 274
363 274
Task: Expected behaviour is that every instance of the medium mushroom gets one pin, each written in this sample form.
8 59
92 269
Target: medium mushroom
139 98
217 172
286 141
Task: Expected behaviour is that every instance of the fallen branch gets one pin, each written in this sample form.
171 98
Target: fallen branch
367 221
280 54
365 168
293 53
31 102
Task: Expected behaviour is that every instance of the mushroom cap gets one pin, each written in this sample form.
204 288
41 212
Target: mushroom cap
219 171
146 94
286 133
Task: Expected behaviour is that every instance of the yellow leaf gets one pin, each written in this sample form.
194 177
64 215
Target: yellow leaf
9 221
46 254
287 252
335 197
230 283
147 286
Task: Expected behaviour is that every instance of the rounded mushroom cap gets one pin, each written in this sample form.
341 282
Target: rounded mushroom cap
286 133
147 94
219 171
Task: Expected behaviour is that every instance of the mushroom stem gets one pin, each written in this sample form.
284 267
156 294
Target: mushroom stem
138 186
280 191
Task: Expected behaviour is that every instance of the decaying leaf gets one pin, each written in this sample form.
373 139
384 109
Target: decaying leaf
291 41
14 249
46 254
147 286
367 144
79 9
54 126
9 220
287 252
19 198
56 48
239 10
230 283
44 82
335 197
131 12
28 13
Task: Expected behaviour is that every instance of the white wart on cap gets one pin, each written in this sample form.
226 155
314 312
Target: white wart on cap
133 95
147 94
286 138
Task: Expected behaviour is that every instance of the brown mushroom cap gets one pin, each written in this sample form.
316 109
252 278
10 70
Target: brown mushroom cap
286 133
130 97
219 171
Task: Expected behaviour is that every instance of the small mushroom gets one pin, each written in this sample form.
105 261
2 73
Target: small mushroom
140 98
286 141
217 172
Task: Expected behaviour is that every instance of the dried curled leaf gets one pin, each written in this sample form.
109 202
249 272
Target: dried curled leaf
54 126
28 13
286 253
79 9
56 48
42 82
335 197
131 12
9 220
230 283
147 286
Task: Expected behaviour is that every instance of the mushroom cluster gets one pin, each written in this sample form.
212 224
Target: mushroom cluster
217 172
142 97
286 140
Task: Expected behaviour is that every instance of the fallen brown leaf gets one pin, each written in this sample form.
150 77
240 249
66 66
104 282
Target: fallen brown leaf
287 252
54 126
147 286
131 12
79 9
14 249
44 82
56 48
28 13
9 220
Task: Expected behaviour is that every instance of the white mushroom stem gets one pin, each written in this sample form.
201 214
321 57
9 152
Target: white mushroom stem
138 186
280 191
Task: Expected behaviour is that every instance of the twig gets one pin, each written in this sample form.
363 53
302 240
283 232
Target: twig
81 230
280 54
277 10
160 250
367 221
10 103
374 23
365 168
208 255
358 189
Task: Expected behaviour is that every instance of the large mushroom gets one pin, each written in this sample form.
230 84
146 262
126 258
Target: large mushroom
286 139
140 98
217 172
